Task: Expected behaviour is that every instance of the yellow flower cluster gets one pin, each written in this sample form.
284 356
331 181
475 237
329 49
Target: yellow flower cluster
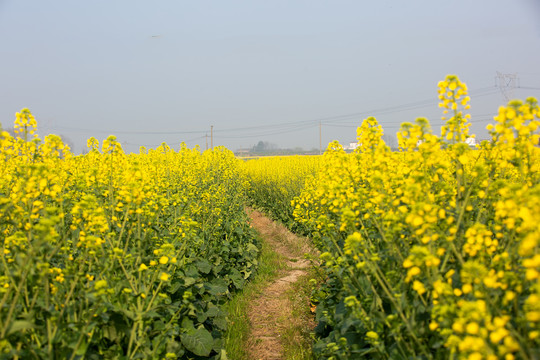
100 251
437 243
274 182
453 96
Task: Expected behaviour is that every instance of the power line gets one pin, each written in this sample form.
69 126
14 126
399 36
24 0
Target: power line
161 143
126 132
295 129
418 105
281 128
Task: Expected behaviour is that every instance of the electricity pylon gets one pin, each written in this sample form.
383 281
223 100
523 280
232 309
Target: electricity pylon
507 84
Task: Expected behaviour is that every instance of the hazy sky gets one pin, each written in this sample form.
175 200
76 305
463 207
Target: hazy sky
153 71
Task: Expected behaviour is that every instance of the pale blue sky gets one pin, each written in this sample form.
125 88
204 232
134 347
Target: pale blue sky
153 71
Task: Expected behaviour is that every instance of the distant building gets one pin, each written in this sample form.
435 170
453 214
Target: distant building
470 141
352 146
242 152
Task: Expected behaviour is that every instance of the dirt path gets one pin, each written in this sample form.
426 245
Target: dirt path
271 313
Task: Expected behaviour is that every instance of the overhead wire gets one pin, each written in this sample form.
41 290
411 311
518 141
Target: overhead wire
343 120
161 143
298 128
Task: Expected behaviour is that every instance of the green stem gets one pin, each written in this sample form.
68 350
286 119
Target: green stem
15 299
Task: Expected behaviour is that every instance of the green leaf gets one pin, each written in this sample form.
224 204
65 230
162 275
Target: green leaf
223 355
173 288
199 342
19 325
236 278
218 287
252 249
81 350
187 325
220 321
109 332
204 266
213 311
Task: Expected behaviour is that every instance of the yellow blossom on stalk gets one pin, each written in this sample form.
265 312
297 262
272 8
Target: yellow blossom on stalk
111 145
412 273
372 335
92 143
369 136
79 228
25 122
419 287
407 263
437 240
412 136
460 224
453 95
100 284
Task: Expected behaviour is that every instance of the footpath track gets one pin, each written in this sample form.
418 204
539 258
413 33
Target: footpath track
272 312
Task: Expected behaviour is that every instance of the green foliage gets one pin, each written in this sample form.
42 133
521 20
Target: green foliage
275 181
426 253
120 257
430 252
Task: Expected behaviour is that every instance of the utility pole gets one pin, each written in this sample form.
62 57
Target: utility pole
507 84
320 137
212 137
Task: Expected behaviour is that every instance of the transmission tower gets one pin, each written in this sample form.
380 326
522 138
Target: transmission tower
507 84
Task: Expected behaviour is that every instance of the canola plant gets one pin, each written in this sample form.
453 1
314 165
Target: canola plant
108 255
429 252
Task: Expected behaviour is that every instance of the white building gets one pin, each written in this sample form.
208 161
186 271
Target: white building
352 146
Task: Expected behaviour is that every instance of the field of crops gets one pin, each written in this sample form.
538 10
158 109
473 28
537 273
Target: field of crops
431 252
116 256
275 181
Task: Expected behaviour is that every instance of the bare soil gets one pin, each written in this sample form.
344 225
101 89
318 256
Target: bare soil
271 313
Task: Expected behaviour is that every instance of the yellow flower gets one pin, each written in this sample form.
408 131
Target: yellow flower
533 316
143 267
419 287
472 328
457 327
163 260
164 277
100 284
415 270
407 263
372 335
